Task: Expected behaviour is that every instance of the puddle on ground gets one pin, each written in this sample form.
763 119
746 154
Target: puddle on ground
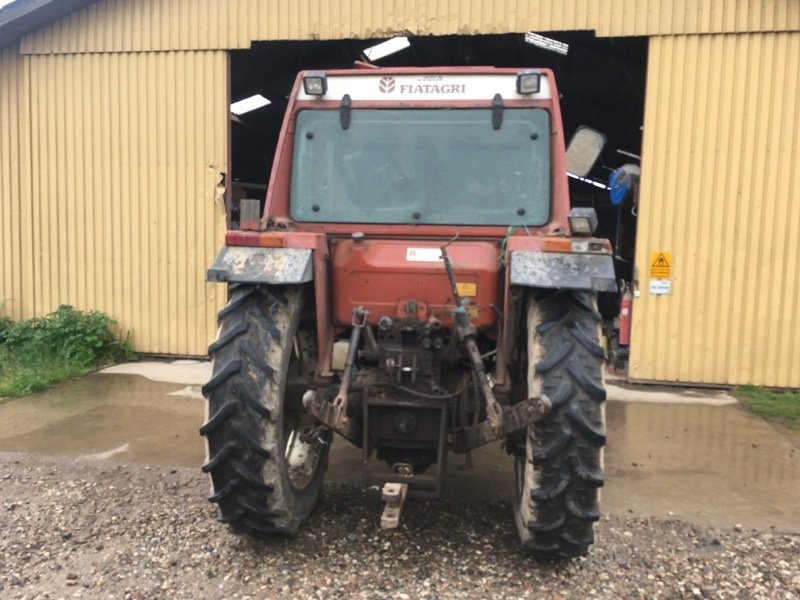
712 465
121 417
716 465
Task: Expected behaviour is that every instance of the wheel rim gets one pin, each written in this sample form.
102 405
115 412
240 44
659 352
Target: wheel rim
301 458
519 477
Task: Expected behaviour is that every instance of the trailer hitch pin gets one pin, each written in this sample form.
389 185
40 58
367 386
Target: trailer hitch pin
394 495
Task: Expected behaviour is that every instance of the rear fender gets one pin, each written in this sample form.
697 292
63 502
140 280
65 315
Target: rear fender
302 259
563 271
272 266
530 266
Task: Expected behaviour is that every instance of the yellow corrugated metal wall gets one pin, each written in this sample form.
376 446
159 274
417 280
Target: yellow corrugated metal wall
116 203
111 150
14 166
721 191
125 25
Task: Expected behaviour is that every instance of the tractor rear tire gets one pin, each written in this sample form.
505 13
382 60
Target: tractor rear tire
559 466
264 478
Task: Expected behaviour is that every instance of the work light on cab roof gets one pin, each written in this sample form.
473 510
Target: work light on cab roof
528 82
315 83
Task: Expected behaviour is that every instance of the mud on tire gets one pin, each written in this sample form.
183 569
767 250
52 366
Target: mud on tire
559 462
260 483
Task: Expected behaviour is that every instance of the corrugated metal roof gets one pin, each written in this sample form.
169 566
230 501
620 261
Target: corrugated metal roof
23 16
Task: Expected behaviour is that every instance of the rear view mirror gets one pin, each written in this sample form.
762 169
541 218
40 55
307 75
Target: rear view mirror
584 149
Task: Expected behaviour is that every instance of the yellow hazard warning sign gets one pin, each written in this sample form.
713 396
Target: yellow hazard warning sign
660 264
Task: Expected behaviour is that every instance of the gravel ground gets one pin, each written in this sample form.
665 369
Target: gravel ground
82 528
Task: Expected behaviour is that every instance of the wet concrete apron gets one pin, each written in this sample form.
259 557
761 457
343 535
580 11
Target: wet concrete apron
693 455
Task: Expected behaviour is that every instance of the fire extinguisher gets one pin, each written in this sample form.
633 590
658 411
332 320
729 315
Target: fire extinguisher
625 307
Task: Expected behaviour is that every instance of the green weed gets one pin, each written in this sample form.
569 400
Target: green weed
782 406
36 353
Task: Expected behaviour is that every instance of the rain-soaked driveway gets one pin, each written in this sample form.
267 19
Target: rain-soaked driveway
693 455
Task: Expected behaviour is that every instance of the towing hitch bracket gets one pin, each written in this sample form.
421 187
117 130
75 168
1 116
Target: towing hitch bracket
514 418
331 417
334 414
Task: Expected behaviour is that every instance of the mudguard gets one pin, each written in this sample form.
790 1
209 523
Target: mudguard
563 270
241 264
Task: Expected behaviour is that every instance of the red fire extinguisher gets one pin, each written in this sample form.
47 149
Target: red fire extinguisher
625 307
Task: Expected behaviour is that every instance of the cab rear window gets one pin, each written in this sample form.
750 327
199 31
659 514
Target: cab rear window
431 166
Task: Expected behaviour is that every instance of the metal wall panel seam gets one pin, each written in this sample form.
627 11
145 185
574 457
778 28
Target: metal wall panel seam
182 199
216 69
140 246
7 90
731 215
786 96
153 124
679 310
56 223
782 167
174 201
160 288
694 305
168 128
11 97
789 321
35 216
43 244
717 180
173 132
742 368
682 219
201 210
129 199
756 204
190 172
791 364
70 199
54 209
27 258
106 210
768 304
706 110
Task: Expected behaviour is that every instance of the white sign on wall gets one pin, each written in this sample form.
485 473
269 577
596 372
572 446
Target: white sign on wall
660 287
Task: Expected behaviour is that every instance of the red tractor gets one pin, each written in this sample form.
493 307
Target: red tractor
416 283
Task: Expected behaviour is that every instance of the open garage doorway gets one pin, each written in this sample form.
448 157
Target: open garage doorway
601 83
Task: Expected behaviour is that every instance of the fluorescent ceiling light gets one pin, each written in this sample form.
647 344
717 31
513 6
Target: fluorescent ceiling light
379 51
245 106
547 43
598 184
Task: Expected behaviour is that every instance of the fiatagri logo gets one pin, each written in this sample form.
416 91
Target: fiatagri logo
386 85
434 85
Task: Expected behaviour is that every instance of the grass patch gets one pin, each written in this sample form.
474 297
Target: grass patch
781 406
39 352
